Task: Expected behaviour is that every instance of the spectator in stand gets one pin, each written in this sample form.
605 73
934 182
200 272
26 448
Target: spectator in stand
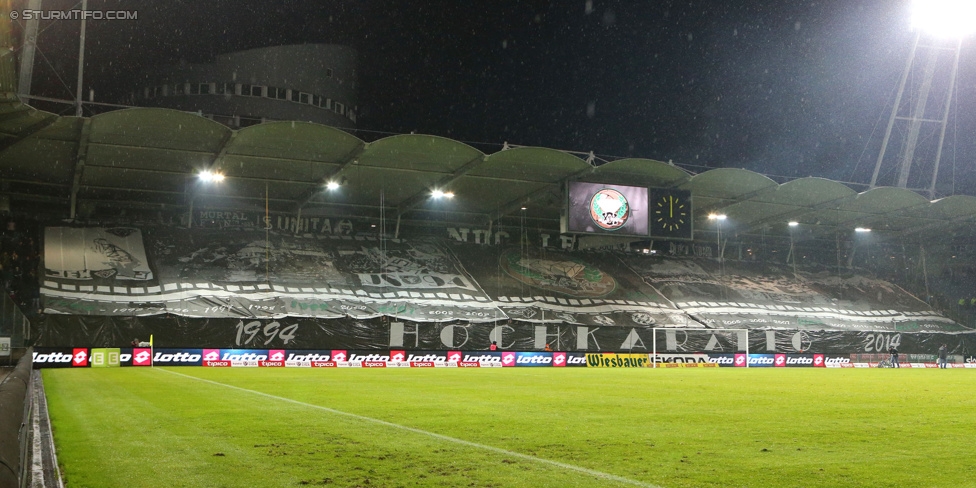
19 258
894 357
6 268
493 346
33 294
943 355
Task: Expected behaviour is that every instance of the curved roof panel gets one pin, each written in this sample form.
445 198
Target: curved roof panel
149 155
157 128
49 155
639 172
789 200
728 183
297 151
954 207
302 141
416 152
536 164
883 200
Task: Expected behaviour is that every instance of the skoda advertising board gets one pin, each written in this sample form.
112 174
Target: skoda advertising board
597 208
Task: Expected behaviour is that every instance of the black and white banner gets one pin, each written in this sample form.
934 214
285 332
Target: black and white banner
376 334
245 273
754 295
248 273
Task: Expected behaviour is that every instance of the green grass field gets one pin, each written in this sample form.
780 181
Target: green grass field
200 427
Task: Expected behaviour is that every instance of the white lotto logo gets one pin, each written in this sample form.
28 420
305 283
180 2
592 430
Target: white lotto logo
54 357
454 357
576 360
276 356
141 357
81 357
212 356
559 360
799 360
180 357
397 356
533 360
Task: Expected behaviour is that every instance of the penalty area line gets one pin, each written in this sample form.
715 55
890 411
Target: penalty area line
497 450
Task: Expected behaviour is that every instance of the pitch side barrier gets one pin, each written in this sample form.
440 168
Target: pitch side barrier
45 357
15 410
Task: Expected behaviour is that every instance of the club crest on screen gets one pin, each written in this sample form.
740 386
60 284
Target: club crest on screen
609 209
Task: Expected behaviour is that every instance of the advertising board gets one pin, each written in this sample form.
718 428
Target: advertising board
105 357
533 359
617 360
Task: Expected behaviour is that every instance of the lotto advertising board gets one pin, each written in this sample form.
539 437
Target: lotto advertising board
771 360
46 357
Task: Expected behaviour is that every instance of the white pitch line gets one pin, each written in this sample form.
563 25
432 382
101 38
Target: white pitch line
497 450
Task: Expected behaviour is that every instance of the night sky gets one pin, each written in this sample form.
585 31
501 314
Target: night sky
785 88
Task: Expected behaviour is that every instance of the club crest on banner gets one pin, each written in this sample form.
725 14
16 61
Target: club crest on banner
558 274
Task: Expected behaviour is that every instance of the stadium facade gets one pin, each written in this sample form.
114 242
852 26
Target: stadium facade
306 82
318 239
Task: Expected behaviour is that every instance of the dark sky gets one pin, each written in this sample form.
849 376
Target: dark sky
786 88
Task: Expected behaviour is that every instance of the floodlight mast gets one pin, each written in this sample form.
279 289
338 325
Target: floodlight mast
935 19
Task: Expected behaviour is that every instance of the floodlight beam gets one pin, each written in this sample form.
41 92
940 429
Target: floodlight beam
944 18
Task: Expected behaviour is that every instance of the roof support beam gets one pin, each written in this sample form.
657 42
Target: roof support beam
416 199
871 218
739 198
214 162
933 225
219 155
29 131
349 159
79 170
798 213
519 202
15 114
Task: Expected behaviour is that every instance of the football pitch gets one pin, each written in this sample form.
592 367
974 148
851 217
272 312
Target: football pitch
277 427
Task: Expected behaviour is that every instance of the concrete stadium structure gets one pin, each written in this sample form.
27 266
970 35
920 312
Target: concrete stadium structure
307 82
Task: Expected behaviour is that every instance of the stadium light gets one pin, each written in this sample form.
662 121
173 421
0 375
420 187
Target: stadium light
207 176
438 194
719 217
793 223
862 229
332 185
944 18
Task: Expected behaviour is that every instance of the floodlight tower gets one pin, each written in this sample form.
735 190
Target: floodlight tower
940 26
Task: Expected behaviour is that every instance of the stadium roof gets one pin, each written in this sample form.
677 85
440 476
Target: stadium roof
149 157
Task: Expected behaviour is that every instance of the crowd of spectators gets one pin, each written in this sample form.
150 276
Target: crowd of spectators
19 259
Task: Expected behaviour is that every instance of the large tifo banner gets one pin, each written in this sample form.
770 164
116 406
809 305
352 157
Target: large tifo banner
552 286
248 273
341 358
743 294
378 335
